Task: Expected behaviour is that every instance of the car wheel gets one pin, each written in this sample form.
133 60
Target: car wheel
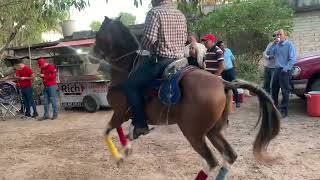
91 103
315 86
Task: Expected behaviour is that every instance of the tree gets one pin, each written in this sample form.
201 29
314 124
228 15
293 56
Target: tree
95 25
127 18
135 2
27 19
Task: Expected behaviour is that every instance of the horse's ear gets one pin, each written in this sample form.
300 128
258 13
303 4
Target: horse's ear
118 18
107 19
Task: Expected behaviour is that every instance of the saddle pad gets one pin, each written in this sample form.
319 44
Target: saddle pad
169 91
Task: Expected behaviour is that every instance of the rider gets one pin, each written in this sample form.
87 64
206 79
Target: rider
165 35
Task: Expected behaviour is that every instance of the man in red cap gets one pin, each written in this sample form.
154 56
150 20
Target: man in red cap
214 57
48 75
25 75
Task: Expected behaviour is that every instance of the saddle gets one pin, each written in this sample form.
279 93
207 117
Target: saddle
167 88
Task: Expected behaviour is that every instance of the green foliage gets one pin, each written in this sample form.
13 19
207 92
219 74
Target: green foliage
95 25
255 19
190 8
127 18
248 66
27 19
137 2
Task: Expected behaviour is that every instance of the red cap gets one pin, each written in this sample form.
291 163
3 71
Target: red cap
41 62
209 37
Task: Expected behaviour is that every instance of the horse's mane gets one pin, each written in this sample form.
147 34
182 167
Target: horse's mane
124 44
131 39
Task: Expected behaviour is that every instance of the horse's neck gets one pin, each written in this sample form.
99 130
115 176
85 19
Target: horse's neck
118 77
120 70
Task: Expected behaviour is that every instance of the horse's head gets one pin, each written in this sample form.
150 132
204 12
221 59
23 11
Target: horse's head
113 40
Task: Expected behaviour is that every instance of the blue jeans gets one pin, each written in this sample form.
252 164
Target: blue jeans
281 80
267 79
138 82
21 100
50 93
28 101
230 75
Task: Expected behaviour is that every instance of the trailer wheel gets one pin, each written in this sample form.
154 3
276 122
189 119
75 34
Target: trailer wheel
91 103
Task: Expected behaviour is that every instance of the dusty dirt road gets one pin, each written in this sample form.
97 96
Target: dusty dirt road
72 148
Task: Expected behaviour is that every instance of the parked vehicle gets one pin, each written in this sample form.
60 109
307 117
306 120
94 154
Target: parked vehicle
306 74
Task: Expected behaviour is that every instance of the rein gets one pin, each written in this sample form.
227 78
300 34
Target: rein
125 55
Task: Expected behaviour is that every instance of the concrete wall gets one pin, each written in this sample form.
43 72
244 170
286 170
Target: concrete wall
304 5
306 34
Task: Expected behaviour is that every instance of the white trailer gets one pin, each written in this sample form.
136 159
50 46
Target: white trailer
91 95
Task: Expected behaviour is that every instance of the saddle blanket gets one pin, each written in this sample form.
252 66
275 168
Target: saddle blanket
168 89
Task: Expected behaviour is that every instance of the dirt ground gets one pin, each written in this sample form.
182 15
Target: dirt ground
72 147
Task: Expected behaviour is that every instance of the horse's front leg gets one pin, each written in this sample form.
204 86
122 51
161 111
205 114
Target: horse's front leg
116 122
124 141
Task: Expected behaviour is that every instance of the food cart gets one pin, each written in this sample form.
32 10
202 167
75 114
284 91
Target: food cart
85 91
81 84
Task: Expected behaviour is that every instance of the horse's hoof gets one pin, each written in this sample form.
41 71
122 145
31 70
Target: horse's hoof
127 151
120 162
222 173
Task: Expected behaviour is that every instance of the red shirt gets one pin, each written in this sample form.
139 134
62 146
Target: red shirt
49 75
26 71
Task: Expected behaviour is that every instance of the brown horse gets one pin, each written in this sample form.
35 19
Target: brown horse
203 109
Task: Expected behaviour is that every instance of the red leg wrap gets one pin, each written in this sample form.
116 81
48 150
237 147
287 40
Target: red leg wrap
123 139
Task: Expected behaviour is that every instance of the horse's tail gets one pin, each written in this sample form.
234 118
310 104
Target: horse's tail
270 124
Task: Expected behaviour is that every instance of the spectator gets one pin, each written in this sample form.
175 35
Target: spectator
193 58
25 75
194 52
229 73
284 53
269 67
48 75
213 60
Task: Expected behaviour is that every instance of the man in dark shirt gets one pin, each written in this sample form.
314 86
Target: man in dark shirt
213 59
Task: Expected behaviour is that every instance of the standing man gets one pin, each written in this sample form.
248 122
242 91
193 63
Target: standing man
25 75
165 35
229 73
48 75
269 66
213 59
284 53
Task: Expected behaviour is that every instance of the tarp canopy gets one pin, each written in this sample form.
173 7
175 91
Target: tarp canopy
83 42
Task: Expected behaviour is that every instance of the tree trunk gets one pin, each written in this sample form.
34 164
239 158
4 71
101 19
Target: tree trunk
9 40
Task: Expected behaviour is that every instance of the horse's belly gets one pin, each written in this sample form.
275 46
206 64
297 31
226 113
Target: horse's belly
158 114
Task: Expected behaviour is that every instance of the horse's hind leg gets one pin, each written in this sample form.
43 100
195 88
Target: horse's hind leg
216 137
227 152
200 146
222 145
